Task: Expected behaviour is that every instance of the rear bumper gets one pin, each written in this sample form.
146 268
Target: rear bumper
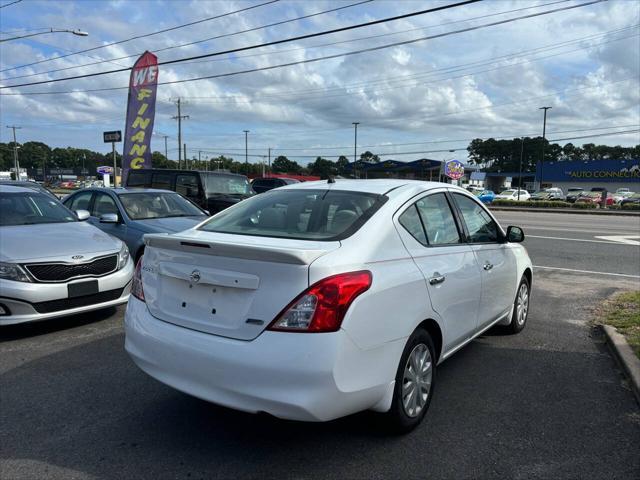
311 377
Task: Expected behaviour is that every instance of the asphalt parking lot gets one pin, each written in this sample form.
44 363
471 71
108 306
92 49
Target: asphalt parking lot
547 403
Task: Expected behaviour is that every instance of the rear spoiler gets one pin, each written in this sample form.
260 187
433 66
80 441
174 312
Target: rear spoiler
265 253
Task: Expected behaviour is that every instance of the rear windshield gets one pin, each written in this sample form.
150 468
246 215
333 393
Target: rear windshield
227 184
300 214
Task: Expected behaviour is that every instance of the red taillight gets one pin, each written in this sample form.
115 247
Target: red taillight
322 307
136 286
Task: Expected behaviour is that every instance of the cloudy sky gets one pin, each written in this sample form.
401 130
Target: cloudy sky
416 100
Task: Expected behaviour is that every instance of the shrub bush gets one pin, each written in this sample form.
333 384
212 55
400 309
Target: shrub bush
584 205
630 206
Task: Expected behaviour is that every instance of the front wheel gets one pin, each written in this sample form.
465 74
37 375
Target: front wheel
520 307
415 380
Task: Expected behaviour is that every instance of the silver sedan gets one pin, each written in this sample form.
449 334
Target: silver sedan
52 263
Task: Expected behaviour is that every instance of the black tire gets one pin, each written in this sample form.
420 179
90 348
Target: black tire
516 326
397 420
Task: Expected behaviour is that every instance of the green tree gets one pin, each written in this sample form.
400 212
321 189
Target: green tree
322 168
369 157
283 165
341 165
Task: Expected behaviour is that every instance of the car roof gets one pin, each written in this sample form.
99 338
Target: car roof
4 188
125 190
377 186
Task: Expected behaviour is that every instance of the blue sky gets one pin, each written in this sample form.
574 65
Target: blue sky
430 95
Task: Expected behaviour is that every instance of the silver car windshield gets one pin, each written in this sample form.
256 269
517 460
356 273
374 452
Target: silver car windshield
143 206
301 214
30 208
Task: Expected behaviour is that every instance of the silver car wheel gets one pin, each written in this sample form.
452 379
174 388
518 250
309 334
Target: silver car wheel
522 304
416 381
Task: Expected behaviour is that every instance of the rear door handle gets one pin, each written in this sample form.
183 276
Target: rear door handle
436 279
487 266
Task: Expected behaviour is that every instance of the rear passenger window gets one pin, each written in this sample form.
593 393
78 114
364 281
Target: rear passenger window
482 228
410 220
438 220
161 181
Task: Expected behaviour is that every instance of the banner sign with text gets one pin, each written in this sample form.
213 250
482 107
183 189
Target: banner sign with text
141 109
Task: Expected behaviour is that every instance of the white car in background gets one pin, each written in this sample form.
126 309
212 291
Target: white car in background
317 300
52 264
512 194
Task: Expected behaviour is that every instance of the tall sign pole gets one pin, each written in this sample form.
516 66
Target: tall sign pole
113 137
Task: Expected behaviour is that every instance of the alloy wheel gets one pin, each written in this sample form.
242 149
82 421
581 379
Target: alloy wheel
417 379
522 306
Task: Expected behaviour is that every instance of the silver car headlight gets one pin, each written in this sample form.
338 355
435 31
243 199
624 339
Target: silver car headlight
11 271
123 256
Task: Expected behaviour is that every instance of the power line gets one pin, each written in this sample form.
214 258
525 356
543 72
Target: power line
10 3
342 147
287 50
403 78
144 35
203 40
261 45
272 67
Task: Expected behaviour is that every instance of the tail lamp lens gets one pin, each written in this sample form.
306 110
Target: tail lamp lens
322 307
136 286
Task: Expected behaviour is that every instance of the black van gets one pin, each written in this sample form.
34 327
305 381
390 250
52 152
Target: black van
213 191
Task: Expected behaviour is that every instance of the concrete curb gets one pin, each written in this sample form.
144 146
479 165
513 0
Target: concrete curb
625 357
579 211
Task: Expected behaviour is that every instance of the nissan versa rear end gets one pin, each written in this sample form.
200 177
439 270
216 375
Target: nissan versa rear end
322 299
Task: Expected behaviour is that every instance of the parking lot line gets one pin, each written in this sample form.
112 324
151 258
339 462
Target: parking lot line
587 271
577 240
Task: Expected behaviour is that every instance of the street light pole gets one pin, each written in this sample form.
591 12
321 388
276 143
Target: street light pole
355 146
78 32
246 151
544 132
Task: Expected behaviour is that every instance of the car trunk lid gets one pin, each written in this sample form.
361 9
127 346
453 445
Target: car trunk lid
223 284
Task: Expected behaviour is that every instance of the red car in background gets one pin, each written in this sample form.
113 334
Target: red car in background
594 197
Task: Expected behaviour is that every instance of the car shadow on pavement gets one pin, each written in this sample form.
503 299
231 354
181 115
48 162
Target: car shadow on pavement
498 411
33 329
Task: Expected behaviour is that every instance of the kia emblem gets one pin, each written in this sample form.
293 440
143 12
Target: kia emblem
77 257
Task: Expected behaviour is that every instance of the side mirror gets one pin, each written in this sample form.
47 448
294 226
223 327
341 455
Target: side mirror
82 214
515 234
109 218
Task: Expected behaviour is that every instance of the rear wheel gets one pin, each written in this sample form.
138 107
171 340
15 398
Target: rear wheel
415 380
520 307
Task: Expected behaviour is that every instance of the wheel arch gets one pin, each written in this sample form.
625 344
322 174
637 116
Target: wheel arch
434 330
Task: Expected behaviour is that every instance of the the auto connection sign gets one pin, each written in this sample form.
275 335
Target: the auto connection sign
141 110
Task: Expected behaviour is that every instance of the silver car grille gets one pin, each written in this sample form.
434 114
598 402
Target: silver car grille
62 272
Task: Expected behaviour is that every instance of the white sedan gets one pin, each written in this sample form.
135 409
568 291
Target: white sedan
512 194
320 299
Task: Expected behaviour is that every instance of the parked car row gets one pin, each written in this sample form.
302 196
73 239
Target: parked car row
620 196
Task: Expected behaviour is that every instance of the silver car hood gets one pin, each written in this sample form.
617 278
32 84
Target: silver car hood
54 241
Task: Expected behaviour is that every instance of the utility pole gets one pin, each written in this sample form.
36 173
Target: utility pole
269 160
166 151
186 163
179 117
520 177
199 159
246 151
16 164
544 132
355 146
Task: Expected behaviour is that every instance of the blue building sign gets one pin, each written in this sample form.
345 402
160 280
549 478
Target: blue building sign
591 171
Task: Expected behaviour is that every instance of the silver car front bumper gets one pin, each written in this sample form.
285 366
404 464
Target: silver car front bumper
28 302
